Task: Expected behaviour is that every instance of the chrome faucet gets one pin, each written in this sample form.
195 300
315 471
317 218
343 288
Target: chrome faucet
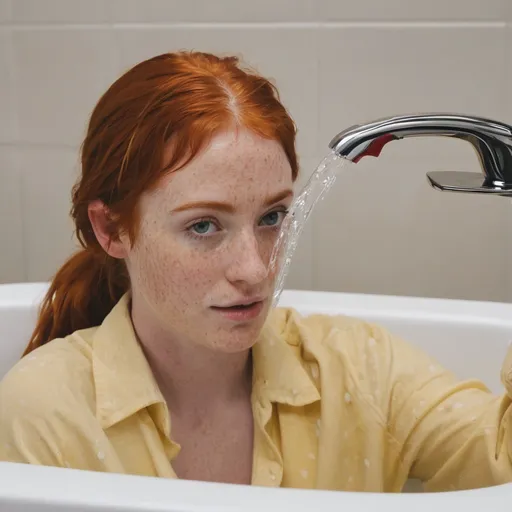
492 141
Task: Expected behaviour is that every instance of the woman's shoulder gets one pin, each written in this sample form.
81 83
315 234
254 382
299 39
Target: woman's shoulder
335 331
52 377
354 338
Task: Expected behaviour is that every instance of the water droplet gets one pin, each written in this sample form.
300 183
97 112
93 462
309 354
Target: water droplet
367 463
101 455
372 342
311 455
314 371
304 473
348 398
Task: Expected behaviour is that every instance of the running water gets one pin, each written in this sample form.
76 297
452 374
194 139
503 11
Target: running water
315 189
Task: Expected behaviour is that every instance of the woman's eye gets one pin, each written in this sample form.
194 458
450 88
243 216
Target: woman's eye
273 218
203 227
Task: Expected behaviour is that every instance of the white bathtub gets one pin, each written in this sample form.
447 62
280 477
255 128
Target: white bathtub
444 328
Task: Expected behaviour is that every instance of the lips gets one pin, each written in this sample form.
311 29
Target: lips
241 303
242 311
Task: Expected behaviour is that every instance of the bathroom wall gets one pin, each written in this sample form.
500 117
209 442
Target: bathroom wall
337 63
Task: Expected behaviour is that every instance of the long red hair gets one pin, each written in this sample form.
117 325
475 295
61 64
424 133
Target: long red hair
186 97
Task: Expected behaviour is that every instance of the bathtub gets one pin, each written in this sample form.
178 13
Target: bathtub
444 328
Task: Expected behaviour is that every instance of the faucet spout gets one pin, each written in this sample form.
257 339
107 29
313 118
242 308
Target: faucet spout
492 141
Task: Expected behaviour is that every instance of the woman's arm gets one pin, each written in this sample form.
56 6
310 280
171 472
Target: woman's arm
453 434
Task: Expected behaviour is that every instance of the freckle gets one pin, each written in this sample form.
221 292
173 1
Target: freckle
311 455
367 463
348 398
304 473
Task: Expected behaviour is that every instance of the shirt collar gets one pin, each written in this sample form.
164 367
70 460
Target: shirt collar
125 384
279 371
123 378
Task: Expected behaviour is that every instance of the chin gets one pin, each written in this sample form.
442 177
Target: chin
238 339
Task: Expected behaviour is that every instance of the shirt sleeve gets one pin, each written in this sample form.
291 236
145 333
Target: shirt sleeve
453 434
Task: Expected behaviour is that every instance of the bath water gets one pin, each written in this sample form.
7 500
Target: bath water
315 189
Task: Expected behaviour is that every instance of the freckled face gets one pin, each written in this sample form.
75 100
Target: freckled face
205 241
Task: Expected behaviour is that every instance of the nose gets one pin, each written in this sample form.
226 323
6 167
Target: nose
246 263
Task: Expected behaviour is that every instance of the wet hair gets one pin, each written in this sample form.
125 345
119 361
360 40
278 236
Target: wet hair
183 98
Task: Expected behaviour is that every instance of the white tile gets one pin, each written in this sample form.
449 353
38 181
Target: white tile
60 11
47 178
59 76
12 268
508 12
5 11
8 119
368 73
288 56
383 230
224 11
411 10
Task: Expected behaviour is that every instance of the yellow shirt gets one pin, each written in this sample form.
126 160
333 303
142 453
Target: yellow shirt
338 404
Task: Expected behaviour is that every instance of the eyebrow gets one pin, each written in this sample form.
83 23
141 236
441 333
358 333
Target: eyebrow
227 207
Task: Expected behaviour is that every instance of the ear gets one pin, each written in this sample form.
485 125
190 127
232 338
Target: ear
105 231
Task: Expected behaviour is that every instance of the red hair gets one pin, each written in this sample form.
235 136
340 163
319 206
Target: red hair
186 97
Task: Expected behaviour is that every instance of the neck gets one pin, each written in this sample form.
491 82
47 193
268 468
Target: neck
190 376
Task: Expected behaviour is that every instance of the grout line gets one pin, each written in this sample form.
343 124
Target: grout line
256 25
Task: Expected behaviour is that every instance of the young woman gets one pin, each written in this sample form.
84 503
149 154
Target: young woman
155 352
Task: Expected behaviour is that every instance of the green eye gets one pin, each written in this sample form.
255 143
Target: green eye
202 227
273 218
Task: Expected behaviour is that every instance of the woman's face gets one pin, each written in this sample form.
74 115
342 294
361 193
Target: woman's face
199 266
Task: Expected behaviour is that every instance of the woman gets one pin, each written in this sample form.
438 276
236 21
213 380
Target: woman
155 352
